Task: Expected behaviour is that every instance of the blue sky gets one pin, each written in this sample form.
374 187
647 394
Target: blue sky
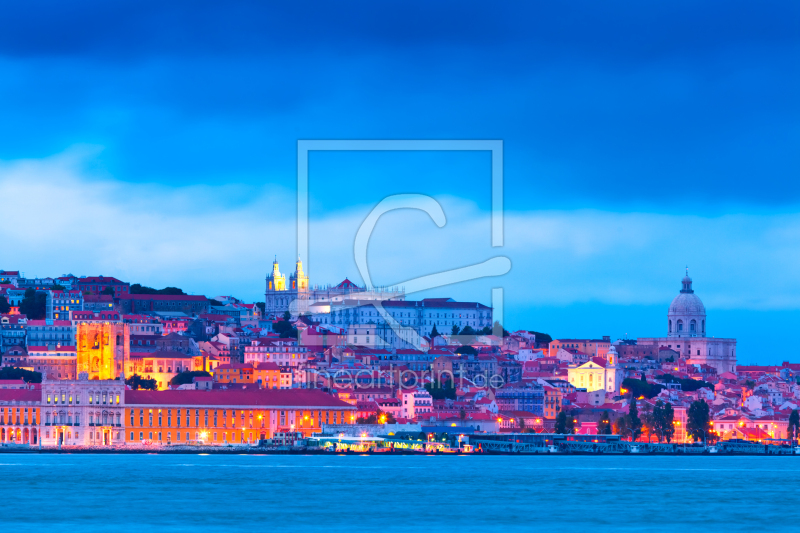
159 142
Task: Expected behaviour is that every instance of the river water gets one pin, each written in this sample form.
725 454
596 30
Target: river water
211 493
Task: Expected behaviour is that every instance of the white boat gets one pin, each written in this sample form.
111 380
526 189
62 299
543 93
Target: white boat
712 449
634 448
552 448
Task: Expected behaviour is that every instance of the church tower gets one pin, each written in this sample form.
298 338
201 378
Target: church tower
275 280
299 280
278 297
103 350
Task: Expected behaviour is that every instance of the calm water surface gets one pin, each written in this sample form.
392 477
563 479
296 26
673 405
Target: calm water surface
385 493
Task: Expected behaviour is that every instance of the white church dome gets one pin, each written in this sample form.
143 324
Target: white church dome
687 314
687 303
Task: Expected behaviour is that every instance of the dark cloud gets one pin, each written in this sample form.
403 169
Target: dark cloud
676 106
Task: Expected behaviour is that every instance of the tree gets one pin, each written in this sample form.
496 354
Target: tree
646 416
108 291
284 329
137 382
462 414
561 423
634 422
468 335
4 306
434 333
498 330
604 425
185 378
263 307
698 423
688 385
638 388
570 423
469 350
621 425
215 303
541 337
468 331
166 291
440 392
793 429
28 376
290 333
521 423
454 330
750 384
287 316
34 304
663 417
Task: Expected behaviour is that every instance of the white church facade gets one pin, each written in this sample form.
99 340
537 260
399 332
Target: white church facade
687 333
298 296
598 374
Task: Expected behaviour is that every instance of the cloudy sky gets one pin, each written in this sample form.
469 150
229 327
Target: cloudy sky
157 142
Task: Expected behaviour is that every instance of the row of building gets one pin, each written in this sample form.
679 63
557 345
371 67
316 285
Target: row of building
377 353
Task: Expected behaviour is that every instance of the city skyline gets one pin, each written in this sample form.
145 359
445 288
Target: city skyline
628 152
269 259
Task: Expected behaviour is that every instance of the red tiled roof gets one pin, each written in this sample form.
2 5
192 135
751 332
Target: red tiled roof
20 395
62 323
347 284
52 350
161 297
99 279
245 398
599 361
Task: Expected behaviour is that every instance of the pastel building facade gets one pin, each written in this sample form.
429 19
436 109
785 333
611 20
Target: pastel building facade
598 374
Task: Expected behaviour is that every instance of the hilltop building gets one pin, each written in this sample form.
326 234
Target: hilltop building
687 333
400 324
298 295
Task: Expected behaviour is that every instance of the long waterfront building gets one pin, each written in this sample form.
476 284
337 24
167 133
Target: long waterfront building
86 412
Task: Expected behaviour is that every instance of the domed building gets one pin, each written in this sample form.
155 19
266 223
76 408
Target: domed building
687 314
687 334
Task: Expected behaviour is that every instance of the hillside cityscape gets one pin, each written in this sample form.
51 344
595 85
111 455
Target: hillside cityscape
96 362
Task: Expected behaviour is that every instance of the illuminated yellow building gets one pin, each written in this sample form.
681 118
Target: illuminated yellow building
597 374
276 281
297 295
103 350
